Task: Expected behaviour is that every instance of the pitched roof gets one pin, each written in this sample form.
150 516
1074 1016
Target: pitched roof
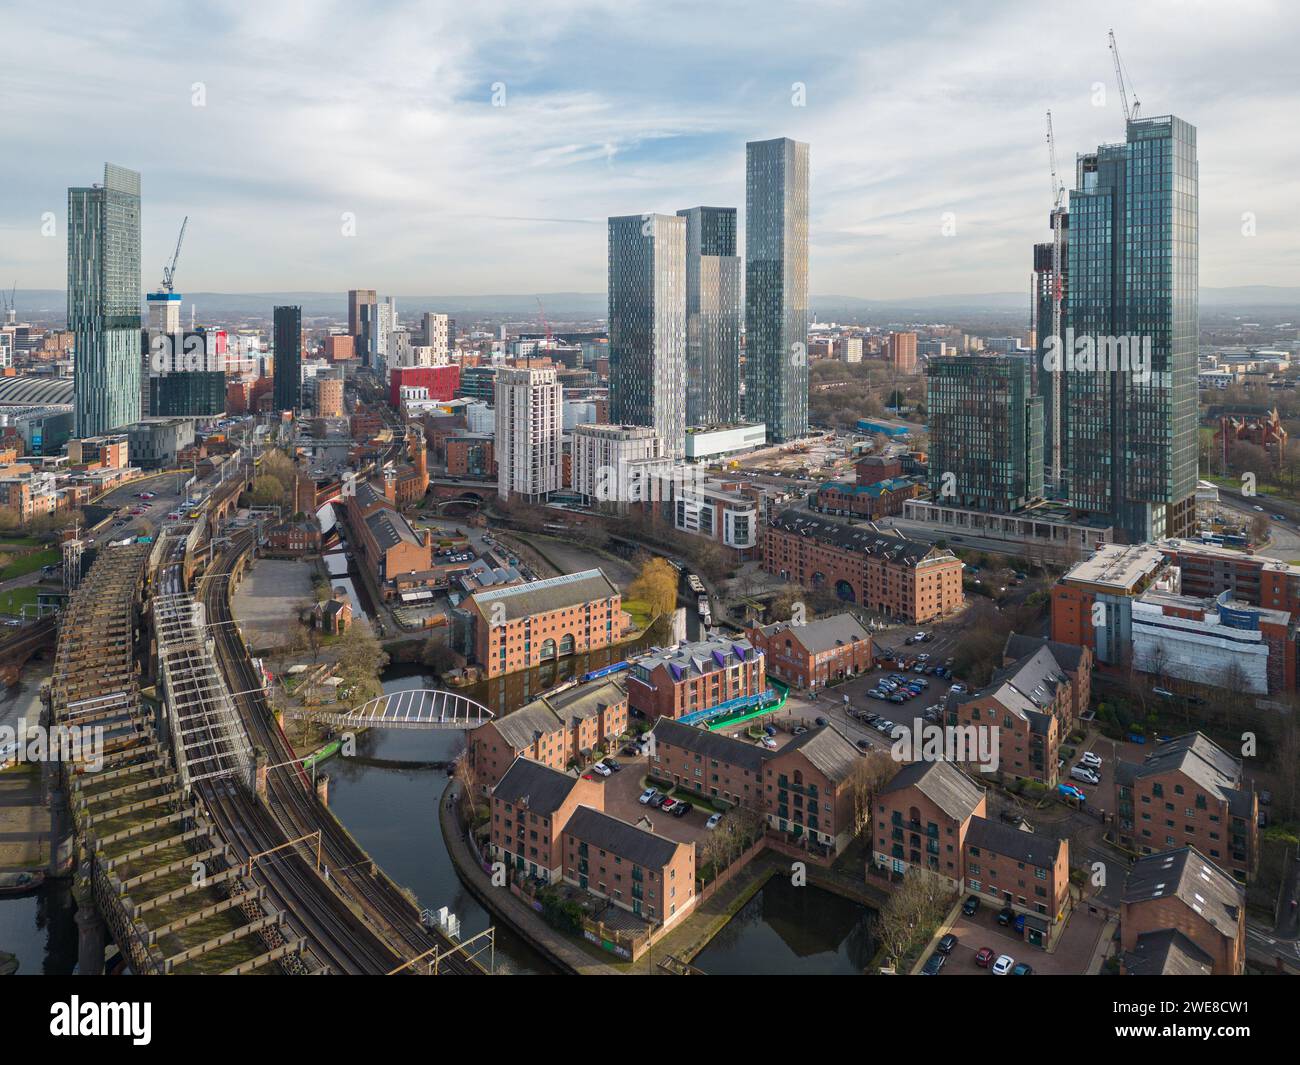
1027 847
860 539
1206 763
1018 645
829 752
1167 953
1198 882
554 593
389 529
522 727
942 783
537 786
629 842
822 634
584 700
711 745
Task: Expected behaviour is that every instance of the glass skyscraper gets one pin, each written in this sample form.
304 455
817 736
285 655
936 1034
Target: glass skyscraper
1133 269
776 286
712 316
647 326
104 300
288 358
986 431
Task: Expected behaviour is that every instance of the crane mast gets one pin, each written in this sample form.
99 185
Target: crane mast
1129 113
169 271
1058 241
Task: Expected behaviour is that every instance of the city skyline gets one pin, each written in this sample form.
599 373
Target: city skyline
908 125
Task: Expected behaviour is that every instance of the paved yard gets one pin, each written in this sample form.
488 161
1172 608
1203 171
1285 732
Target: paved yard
622 791
1073 951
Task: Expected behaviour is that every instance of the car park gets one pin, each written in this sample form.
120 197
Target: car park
1003 965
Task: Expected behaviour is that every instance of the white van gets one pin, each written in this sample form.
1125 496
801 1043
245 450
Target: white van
1083 773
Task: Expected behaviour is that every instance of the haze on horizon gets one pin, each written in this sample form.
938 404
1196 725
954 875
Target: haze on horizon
386 112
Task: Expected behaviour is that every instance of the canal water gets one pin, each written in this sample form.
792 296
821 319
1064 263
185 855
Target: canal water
792 931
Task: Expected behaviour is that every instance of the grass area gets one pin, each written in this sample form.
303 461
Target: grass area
29 563
12 601
640 611
20 541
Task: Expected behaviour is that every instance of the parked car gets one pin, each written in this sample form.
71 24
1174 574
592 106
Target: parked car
821 722
1069 791
1092 761
713 821
984 957
770 729
668 805
768 742
1022 969
1003 965
798 730
971 906
947 943
611 764
933 964
680 808
602 769
1006 915
648 796
863 745
1084 774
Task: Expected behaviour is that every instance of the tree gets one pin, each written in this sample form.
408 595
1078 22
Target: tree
656 584
438 656
868 776
917 905
267 492
361 660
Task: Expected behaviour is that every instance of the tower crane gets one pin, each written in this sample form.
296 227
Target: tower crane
545 324
1058 242
169 271
1129 113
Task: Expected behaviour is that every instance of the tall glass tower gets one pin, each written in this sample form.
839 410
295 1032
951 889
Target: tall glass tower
287 336
776 286
104 300
647 326
712 316
1133 269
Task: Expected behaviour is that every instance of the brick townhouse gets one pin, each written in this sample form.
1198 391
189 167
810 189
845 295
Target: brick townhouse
1182 915
522 626
1031 703
922 817
1190 792
809 786
815 653
695 677
905 579
530 806
714 765
1024 870
648 874
556 730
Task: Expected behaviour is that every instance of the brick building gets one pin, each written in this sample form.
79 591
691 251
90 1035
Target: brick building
1189 792
922 817
906 579
694 678
1264 429
1024 870
648 874
470 455
441 381
810 798
1182 914
524 625
870 500
718 767
815 653
556 730
530 806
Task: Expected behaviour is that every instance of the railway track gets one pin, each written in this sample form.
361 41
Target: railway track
337 940
293 802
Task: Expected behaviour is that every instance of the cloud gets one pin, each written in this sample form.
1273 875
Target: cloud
386 111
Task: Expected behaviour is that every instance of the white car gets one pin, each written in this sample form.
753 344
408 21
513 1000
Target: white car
602 769
768 742
1003 965
1092 761
712 822
647 796
1260 509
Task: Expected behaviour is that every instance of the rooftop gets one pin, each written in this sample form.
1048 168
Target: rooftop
823 634
1199 883
626 840
532 784
940 782
554 593
711 745
862 539
699 658
1121 567
1027 847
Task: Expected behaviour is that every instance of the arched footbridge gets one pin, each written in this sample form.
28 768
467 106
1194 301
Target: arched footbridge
425 708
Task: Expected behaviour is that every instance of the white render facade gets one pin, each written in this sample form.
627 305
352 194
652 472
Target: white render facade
529 403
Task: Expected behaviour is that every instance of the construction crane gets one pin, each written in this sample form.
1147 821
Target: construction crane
11 305
545 324
1129 113
169 271
1058 243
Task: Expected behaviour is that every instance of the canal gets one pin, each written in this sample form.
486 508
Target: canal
792 931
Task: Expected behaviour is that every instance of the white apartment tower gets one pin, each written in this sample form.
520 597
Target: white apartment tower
529 422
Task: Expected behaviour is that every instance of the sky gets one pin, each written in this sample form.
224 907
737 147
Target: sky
477 147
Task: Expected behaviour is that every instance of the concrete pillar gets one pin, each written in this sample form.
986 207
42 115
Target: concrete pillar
323 788
92 934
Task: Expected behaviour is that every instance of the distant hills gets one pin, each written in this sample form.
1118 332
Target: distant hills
43 303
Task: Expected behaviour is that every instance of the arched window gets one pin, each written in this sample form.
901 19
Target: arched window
548 649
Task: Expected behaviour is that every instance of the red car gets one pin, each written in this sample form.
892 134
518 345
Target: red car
984 957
